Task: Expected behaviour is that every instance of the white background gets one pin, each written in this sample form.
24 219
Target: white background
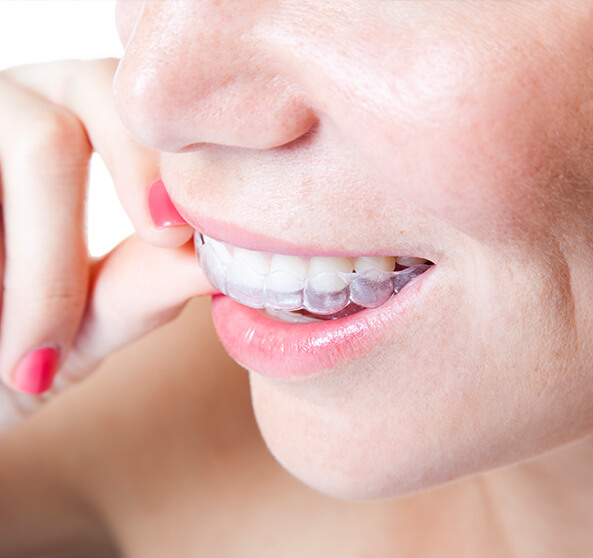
34 31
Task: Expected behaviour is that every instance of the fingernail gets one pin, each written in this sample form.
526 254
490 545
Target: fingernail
161 208
35 372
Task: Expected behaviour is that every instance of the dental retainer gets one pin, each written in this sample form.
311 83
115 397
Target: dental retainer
293 296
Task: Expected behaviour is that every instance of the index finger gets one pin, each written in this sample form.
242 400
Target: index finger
85 88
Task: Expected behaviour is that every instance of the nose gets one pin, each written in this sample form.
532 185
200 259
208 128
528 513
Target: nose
195 72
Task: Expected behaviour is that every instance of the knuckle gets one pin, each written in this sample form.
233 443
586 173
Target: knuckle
63 305
53 133
59 129
62 295
65 297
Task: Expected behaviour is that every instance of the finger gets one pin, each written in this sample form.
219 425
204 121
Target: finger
2 251
44 153
85 88
135 289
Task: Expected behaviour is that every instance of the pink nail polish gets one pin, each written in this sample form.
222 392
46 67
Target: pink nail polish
161 208
35 372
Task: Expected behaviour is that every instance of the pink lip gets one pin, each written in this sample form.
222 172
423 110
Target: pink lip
244 238
290 351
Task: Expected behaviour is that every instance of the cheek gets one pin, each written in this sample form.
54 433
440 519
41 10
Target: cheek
491 164
496 168
482 140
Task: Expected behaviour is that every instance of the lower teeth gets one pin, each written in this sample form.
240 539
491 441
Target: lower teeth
291 317
349 309
304 316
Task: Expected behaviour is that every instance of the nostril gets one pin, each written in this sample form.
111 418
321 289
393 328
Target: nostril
169 119
300 136
252 119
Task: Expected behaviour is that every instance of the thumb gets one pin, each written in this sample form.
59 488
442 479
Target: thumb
136 288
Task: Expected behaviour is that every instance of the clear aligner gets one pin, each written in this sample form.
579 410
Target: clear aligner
247 277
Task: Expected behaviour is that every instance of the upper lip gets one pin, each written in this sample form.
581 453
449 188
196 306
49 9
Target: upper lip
250 240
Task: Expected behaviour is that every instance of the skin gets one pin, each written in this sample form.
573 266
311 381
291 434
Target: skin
467 141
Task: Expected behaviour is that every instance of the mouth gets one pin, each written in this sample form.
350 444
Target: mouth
299 289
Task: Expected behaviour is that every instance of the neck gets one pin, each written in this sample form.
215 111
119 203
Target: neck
541 509
545 507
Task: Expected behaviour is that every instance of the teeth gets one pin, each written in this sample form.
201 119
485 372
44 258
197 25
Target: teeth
245 284
255 260
283 291
295 266
408 261
215 260
323 265
326 291
329 287
291 317
371 288
384 263
221 251
246 276
284 285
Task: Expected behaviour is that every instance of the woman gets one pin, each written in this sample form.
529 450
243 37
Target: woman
441 147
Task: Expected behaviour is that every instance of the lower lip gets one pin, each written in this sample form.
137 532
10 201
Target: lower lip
286 351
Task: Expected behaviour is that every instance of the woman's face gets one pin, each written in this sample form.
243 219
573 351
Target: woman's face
460 132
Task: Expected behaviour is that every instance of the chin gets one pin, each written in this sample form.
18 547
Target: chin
353 451
355 472
347 458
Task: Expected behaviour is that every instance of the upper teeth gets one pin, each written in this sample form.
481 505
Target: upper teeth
322 285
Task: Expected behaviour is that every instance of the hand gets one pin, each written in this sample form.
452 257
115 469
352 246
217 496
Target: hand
60 311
